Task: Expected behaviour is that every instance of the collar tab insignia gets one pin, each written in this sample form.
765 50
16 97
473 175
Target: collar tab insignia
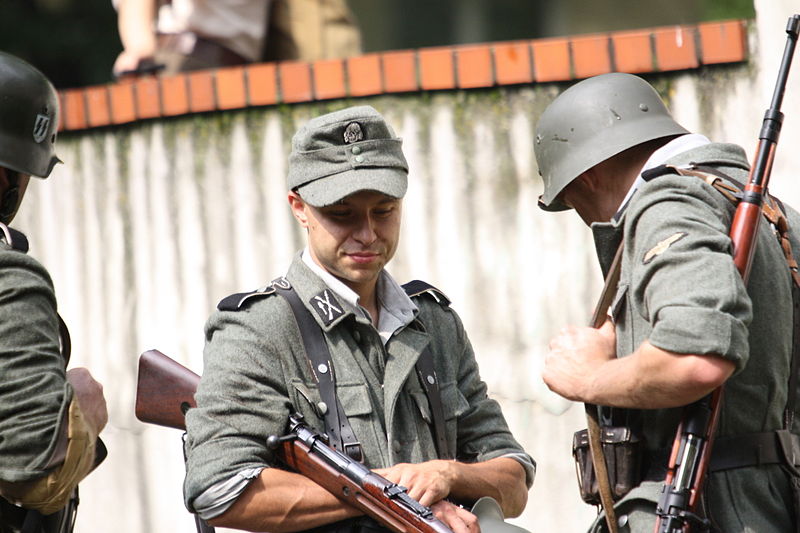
327 307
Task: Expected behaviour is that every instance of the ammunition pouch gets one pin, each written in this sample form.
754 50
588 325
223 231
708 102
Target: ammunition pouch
623 453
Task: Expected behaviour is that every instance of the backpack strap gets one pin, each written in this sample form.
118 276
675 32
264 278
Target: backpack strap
427 373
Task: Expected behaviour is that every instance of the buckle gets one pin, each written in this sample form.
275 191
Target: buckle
353 450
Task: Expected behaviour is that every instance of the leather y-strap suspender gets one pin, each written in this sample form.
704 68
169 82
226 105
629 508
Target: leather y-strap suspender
340 432
427 374
430 383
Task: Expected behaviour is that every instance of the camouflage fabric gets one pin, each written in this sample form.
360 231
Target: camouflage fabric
256 373
34 393
680 289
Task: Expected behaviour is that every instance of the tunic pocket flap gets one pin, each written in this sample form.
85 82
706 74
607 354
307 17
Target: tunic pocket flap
422 404
453 402
354 399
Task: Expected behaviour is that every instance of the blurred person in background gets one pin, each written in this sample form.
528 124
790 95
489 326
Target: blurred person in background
183 35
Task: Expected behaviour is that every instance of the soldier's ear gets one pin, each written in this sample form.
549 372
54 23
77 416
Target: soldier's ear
298 208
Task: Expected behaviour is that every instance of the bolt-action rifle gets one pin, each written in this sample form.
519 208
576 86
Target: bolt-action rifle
694 439
165 391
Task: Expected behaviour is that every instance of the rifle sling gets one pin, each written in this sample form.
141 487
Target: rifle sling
592 416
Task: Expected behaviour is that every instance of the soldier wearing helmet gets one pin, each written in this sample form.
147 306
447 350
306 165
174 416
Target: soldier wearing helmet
50 418
682 322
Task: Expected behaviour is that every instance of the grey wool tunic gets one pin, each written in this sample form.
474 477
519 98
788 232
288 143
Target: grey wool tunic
34 393
256 373
680 290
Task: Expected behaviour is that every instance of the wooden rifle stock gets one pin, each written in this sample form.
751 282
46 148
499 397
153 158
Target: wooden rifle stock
165 391
691 451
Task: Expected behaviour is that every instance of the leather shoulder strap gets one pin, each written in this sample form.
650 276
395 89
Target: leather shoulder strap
426 371
340 434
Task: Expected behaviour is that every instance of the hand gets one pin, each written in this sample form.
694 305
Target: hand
128 62
89 394
456 518
575 358
427 482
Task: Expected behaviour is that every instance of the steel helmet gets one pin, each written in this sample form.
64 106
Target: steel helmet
591 121
28 118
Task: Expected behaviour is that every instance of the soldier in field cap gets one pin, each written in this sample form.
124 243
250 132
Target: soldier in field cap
347 178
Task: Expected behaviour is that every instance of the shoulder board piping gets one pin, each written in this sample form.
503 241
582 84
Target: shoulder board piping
234 302
13 238
418 288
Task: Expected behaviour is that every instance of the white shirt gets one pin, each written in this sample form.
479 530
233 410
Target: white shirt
676 146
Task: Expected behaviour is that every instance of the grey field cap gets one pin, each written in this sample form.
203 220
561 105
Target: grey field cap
341 153
592 121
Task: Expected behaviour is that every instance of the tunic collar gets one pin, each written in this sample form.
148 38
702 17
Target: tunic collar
396 308
677 146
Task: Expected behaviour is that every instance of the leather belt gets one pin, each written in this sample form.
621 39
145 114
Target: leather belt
755 449
739 451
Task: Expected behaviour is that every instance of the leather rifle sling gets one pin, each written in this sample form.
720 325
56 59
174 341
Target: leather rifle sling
592 417
340 433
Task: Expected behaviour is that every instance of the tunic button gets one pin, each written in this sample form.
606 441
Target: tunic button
356 150
357 336
397 447
359 159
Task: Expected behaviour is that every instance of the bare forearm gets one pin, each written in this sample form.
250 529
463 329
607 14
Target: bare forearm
502 478
651 378
136 19
282 502
430 482
583 366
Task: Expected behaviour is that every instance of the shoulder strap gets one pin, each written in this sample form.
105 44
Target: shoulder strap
13 238
427 373
235 302
340 434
